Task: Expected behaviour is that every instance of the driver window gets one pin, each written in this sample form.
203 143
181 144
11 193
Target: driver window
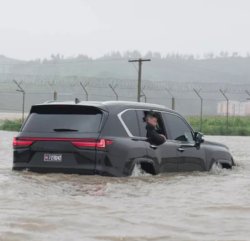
178 128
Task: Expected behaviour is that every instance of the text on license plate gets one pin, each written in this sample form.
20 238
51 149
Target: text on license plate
52 157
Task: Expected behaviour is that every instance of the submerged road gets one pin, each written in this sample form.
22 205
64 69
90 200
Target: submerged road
180 206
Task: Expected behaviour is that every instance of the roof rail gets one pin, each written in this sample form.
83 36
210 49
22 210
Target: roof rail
49 101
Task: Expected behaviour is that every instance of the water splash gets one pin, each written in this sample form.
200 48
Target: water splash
139 172
216 168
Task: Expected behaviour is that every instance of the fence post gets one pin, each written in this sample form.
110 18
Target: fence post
113 87
227 99
20 89
55 96
51 84
248 93
172 99
85 90
197 92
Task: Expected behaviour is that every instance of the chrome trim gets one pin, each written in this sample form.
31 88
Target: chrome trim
123 123
160 111
155 110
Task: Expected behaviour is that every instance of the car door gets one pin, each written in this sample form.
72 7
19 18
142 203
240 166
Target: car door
130 148
191 156
164 156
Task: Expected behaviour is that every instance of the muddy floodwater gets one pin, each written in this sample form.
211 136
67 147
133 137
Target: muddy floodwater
182 206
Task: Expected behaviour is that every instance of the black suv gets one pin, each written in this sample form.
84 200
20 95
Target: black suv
109 138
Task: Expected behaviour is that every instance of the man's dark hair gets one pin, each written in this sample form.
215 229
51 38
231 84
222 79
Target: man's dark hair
152 114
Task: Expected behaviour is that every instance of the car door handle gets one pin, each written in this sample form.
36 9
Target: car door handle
139 139
180 149
153 147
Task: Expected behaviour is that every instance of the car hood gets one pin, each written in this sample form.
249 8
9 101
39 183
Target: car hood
212 143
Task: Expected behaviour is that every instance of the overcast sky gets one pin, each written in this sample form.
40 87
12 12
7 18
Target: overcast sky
37 28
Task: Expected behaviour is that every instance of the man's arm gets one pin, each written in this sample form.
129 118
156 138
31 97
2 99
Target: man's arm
154 137
157 139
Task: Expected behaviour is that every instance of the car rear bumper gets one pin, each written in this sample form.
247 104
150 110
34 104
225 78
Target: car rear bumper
74 163
52 169
77 169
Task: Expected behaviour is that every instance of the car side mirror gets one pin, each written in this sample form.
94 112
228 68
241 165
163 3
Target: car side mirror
198 138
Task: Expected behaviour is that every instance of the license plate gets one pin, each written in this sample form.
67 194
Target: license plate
52 157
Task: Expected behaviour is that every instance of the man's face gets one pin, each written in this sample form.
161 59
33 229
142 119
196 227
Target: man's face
152 120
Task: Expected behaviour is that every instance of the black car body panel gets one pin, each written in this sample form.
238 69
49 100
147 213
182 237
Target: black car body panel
109 138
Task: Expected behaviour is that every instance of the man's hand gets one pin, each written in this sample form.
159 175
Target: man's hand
163 137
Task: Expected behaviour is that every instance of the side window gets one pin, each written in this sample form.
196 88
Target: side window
178 128
130 119
142 123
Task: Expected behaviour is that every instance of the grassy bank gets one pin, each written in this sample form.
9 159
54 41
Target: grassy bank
217 125
211 125
10 125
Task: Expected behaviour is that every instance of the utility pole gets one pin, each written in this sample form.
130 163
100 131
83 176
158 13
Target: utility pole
140 60
197 92
227 99
20 89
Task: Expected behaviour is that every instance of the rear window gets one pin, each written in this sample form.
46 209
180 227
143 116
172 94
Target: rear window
63 118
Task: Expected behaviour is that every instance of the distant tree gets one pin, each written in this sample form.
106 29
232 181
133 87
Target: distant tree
190 57
235 54
132 54
149 55
116 54
186 57
174 56
224 54
44 61
112 55
83 57
37 61
178 56
197 56
56 58
156 55
209 55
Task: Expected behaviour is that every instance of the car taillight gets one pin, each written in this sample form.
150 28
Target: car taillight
79 143
21 143
100 144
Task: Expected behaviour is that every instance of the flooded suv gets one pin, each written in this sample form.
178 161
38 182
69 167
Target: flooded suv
109 138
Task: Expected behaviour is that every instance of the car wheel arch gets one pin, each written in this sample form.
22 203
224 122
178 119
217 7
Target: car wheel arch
146 165
224 163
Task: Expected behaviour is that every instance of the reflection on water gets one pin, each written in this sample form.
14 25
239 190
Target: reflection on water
182 206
